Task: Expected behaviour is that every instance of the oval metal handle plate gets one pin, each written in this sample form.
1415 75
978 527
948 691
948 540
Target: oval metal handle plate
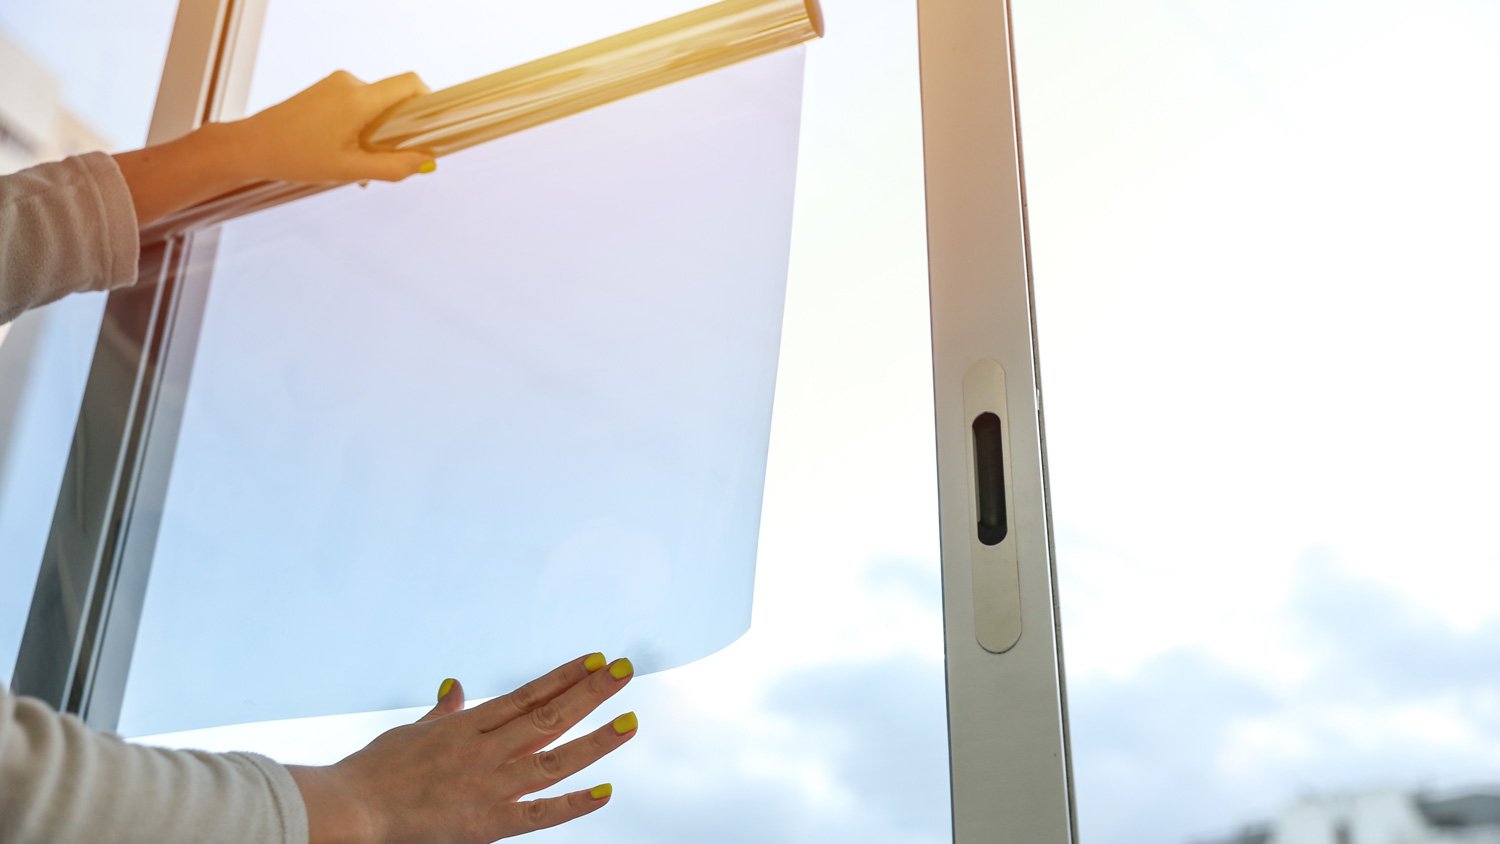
992 540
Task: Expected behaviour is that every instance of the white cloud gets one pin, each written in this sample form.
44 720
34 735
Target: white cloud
1190 745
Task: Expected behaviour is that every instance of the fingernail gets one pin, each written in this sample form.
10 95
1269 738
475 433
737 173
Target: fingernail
599 792
625 723
445 688
427 166
594 662
621 668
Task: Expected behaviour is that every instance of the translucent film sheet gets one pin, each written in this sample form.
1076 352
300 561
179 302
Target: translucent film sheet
483 421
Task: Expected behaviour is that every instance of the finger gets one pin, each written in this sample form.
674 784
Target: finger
542 725
388 92
502 710
389 166
450 700
532 815
533 773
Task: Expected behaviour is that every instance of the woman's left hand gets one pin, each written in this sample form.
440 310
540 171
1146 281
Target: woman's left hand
457 776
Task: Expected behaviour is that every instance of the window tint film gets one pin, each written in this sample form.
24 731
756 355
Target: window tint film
528 396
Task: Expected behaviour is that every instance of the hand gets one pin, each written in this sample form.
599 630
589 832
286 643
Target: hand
311 138
457 776
314 136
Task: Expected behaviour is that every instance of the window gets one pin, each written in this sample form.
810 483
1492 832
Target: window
786 712
833 703
1265 282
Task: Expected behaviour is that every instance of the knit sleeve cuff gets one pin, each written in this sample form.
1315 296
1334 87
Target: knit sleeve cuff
121 239
288 798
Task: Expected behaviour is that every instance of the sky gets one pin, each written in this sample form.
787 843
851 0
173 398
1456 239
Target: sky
1262 241
1265 282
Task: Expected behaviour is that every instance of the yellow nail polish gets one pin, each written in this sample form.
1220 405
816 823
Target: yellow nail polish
446 687
625 723
427 167
594 662
599 792
621 668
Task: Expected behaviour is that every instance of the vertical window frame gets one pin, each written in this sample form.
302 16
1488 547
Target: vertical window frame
1008 729
80 633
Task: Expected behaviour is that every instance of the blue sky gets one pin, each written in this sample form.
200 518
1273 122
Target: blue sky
1266 283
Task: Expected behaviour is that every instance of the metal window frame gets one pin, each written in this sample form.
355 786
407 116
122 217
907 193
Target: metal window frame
1008 729
1008 734
91 585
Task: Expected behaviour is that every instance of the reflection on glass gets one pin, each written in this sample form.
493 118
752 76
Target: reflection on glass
825 722
74 76
1265 278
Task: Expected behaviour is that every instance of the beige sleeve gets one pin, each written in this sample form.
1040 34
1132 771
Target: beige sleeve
65 227
61 782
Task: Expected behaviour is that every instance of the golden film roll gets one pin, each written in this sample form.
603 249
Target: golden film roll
548 89
607 70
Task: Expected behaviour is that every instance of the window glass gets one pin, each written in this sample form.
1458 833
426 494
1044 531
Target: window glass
75 75
826 720
1265 272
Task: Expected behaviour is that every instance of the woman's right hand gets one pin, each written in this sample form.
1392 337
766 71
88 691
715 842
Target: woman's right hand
458 776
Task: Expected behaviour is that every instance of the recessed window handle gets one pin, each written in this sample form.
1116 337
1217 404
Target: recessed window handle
989 478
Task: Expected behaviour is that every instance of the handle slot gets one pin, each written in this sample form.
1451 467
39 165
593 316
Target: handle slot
989 479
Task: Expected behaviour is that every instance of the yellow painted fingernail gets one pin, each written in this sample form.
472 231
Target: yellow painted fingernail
446 687
427 167
625 723
621 668
594 662
599 792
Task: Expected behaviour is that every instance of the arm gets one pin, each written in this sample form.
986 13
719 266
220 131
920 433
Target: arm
455 777
59 781
73 225
64 227
311 138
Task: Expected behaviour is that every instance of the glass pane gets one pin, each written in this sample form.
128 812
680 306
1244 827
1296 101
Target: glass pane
826 720
1263 238
75 75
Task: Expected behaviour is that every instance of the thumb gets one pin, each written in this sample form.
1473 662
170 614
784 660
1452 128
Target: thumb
450 700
